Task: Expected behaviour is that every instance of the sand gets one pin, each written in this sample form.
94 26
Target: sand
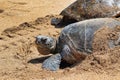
21 21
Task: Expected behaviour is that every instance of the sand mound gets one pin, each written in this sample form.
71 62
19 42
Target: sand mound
103 58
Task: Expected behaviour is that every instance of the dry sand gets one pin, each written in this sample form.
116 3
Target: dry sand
13 12
21 21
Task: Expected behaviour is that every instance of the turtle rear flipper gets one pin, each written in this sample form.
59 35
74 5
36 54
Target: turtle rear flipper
52 63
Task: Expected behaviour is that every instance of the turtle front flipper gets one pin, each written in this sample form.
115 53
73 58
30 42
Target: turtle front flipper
52 63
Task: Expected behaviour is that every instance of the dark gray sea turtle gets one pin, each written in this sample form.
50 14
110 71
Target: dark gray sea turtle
87 9
74 42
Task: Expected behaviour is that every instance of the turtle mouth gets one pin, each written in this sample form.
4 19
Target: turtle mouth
42 49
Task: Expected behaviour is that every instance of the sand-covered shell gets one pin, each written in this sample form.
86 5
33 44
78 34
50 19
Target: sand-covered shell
78 37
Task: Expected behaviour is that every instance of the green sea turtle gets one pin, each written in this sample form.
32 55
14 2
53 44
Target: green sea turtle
74 42
88 9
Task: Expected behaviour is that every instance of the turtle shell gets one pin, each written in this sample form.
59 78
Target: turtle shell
79 36
86 9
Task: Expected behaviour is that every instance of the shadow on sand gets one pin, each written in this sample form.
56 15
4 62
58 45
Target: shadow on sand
38 60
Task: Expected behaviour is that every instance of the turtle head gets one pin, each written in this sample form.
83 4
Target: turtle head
45 44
